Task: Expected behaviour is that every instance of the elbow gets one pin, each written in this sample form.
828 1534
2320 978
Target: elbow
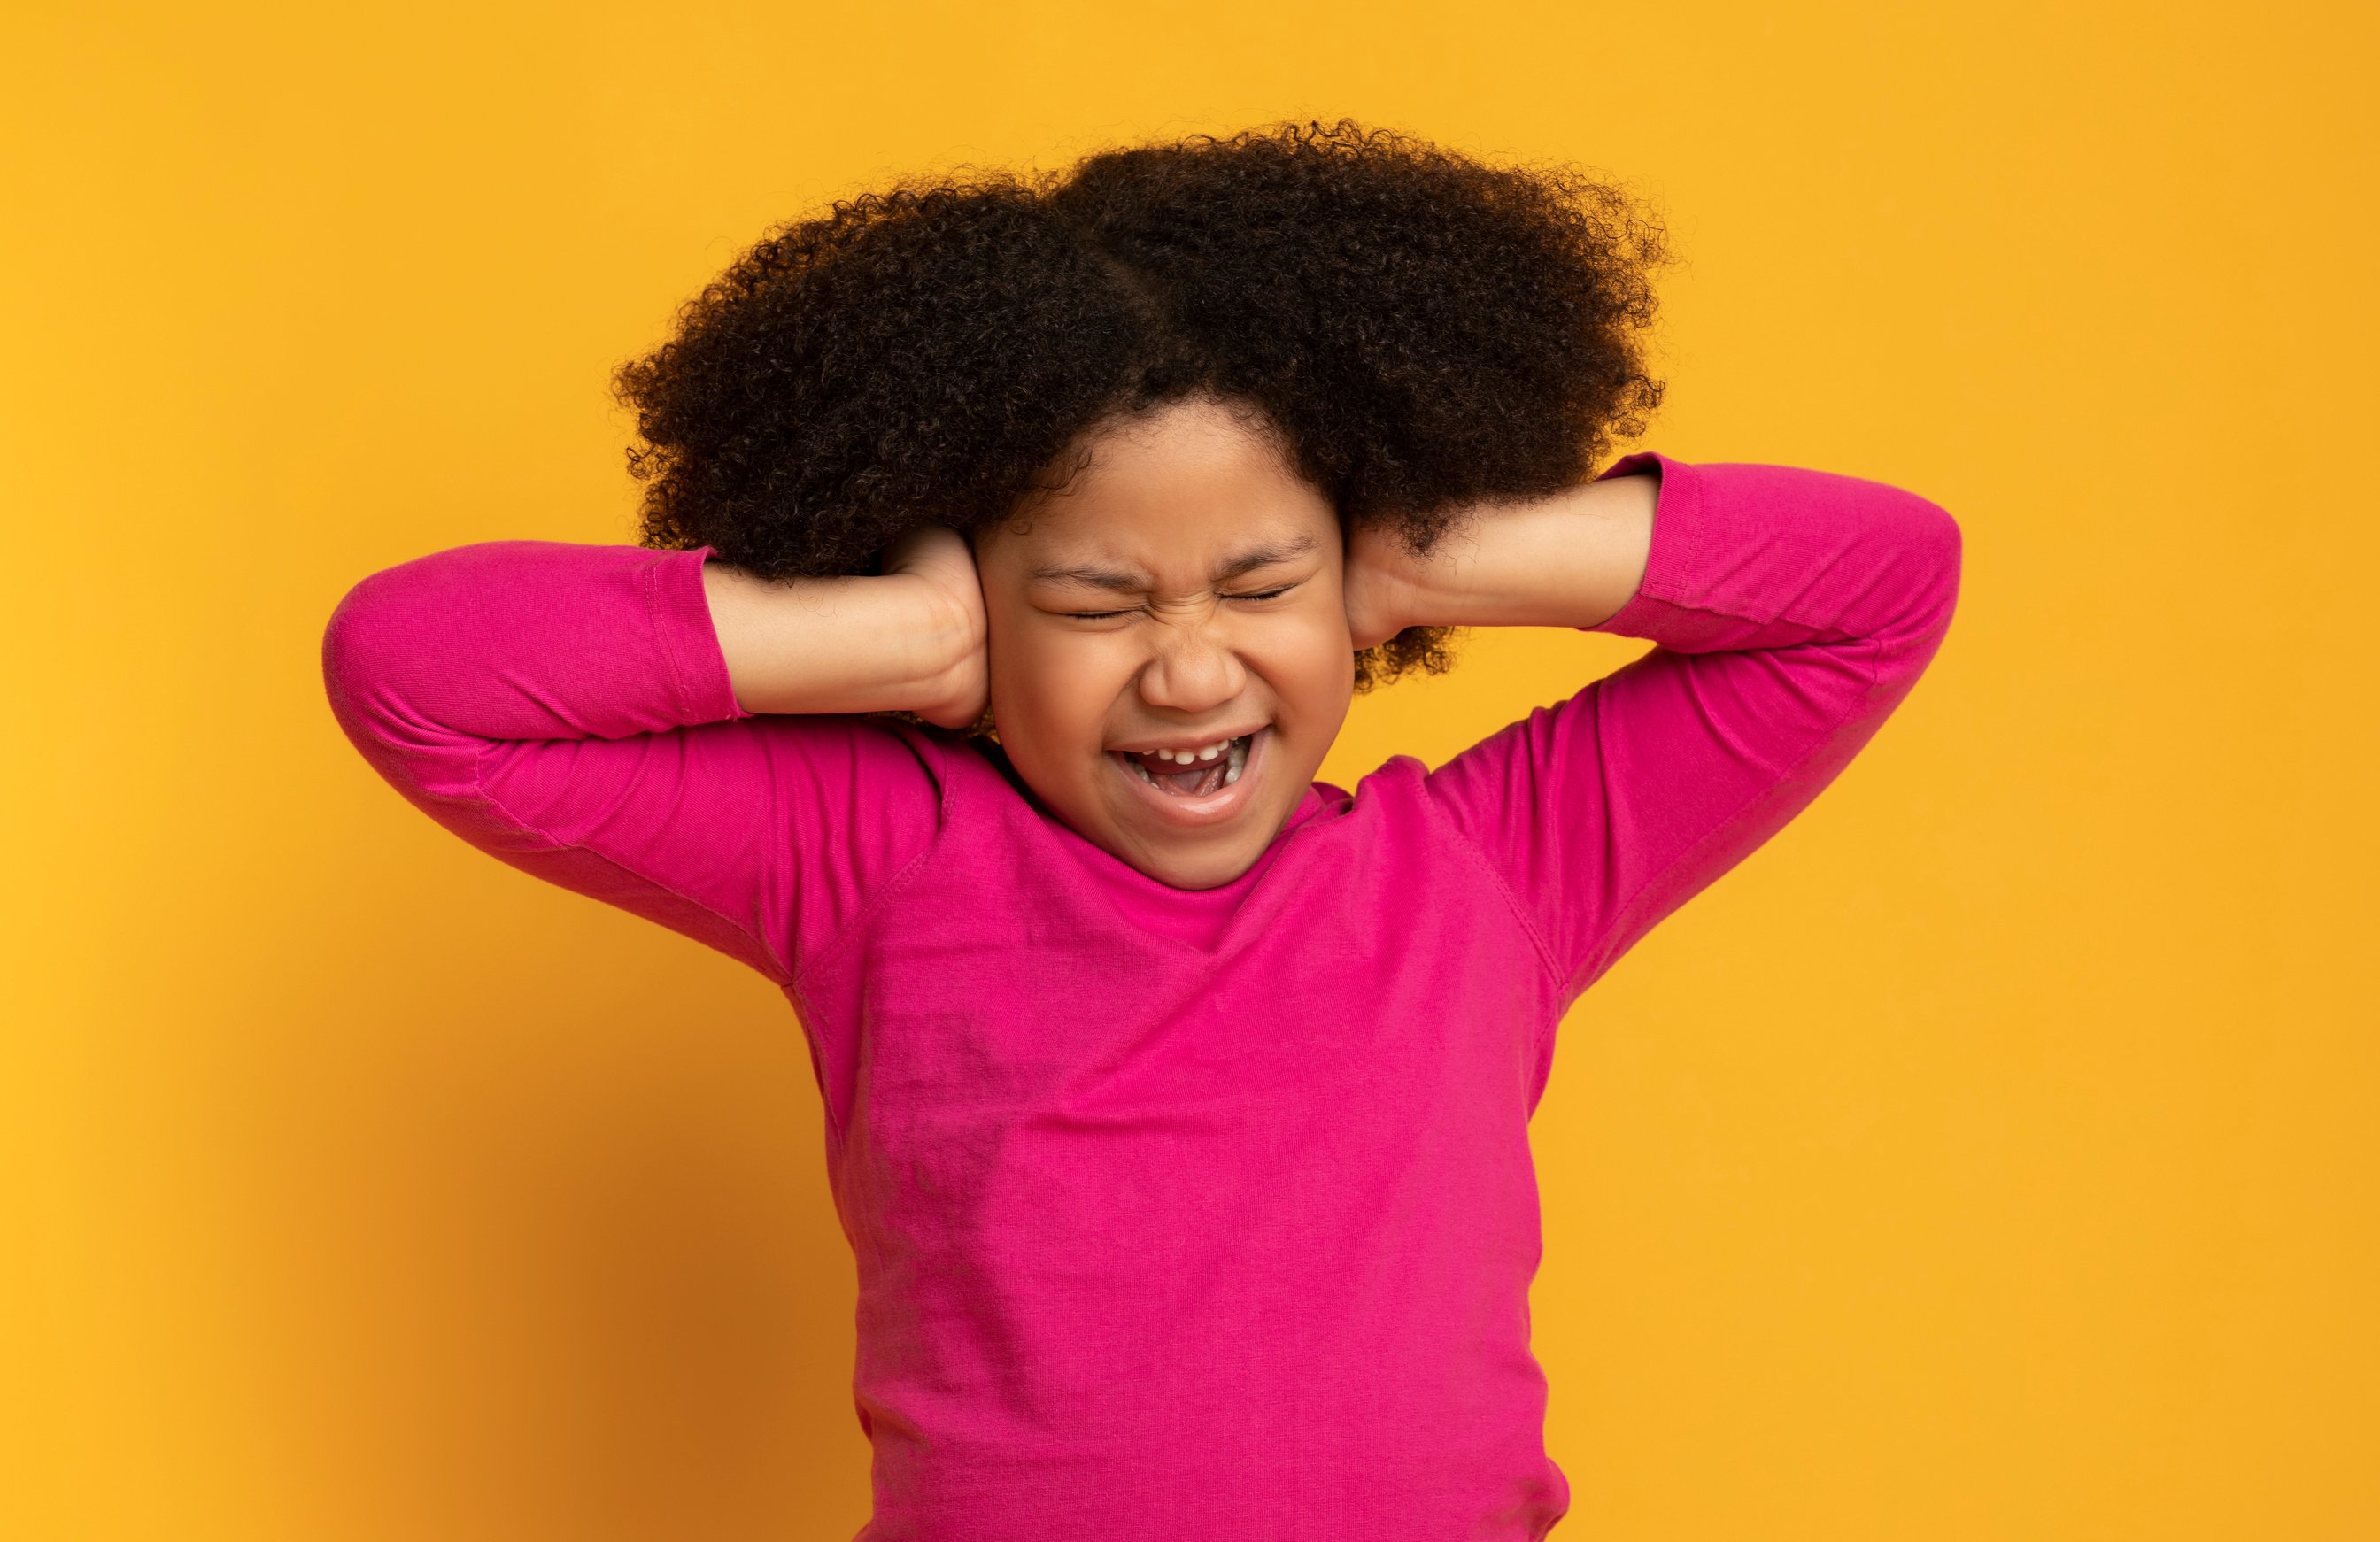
359 654
1931 550
1944 546
377 653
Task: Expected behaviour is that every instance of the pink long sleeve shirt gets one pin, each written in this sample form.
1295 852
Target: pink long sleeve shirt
1192 1215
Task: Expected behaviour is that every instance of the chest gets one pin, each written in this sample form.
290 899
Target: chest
1001 990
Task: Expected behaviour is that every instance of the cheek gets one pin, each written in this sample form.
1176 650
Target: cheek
1312 666
1050 693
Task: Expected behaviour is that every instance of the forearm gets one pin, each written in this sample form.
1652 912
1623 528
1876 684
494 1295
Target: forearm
568 710
1749 557
837 645
1736 557
1793 612
1571 559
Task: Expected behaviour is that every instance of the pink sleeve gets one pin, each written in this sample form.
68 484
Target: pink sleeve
565 709
1793 611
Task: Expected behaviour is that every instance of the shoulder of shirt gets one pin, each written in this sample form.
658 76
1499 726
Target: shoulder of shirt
1395 783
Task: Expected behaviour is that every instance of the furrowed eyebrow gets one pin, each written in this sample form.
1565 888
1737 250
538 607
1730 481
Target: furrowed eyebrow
1263 556
1089 578
1129 583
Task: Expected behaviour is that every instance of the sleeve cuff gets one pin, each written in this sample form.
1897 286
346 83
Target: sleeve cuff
688 638
1659 607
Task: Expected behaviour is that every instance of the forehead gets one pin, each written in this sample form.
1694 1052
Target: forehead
1181 489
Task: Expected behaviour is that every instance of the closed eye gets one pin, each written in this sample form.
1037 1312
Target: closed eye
1109 615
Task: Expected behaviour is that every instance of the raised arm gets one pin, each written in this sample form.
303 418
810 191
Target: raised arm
1793 610
909 642
590 715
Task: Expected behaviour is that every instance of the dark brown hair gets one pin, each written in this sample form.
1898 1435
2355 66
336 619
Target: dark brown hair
1424 331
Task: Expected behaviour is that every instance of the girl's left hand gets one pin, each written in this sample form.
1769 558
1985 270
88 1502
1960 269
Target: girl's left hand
1389 588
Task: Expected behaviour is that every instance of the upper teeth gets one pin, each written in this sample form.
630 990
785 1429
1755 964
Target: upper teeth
1202 752
1234 754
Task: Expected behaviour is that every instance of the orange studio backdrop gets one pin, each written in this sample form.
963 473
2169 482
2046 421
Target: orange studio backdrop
1994 1156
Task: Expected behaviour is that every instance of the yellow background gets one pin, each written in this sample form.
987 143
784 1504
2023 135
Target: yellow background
1993 1156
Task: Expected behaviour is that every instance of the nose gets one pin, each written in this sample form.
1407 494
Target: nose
1193 668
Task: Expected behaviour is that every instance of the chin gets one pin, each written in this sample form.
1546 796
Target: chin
1206 868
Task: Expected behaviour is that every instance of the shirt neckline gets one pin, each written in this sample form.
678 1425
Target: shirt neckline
1194 918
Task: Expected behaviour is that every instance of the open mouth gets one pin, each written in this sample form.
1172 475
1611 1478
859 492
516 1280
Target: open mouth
1190 770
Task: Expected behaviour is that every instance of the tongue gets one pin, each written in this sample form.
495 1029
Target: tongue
1194 782
1200 780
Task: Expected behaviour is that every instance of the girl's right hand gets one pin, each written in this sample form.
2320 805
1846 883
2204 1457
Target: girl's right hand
956 671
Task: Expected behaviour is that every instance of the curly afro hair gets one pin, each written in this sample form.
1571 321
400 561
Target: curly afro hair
1424 331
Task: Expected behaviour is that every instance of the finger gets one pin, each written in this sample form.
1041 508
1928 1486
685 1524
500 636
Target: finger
928 546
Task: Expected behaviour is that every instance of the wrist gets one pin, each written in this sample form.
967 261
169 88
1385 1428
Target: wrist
1391 587
944 675
942 633
1439 588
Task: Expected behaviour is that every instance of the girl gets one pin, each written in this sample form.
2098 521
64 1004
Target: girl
1012 552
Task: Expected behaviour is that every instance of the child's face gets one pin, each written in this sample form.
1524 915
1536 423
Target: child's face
1183 591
